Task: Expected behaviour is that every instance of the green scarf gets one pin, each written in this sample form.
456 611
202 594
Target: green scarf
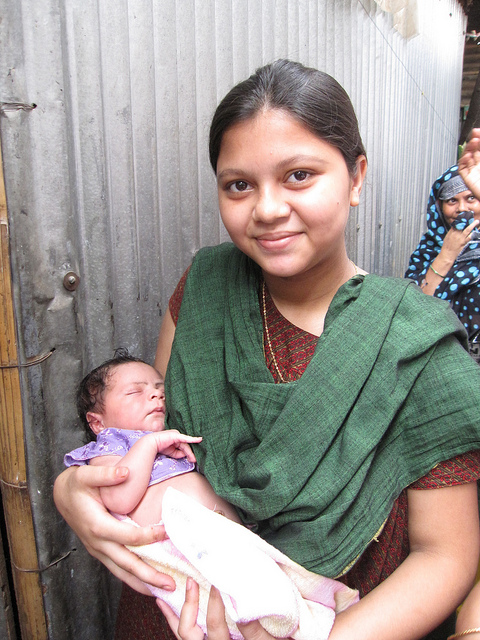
318 463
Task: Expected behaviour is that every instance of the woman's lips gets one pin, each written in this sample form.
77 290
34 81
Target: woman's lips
276 242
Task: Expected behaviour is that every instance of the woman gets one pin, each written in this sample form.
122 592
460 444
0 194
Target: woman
318 387
446 262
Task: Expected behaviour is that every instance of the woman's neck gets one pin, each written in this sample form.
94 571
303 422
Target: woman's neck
304 299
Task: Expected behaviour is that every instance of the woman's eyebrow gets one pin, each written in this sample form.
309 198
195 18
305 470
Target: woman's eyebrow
302 158
296 159
229 172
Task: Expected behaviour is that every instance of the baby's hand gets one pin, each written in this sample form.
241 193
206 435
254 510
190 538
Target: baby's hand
172 443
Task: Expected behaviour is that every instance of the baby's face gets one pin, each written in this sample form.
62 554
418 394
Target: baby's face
134 398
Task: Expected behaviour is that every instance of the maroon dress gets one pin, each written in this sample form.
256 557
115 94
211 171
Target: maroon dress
139 617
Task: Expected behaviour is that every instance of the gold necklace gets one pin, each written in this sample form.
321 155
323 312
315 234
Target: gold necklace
267 333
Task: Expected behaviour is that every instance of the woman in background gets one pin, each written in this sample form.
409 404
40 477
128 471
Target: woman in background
446 263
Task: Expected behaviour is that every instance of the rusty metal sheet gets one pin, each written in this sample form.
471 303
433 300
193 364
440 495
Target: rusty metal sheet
105 107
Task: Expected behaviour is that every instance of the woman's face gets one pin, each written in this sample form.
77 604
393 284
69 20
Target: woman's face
463 201
284 194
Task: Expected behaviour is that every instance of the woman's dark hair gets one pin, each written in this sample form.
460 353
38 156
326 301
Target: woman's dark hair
312 97
91 389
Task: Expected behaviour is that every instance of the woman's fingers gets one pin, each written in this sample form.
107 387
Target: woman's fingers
469 163
472 227
170 617
185 627
454 242
254 631
92 477
217 628
106 540
127 566
77 497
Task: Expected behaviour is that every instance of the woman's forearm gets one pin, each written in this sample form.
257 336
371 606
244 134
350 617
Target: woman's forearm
444 547
409 604
469 616
441 265
433 278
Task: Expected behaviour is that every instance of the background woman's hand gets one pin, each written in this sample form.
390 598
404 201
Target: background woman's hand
77 497
469 163
454 242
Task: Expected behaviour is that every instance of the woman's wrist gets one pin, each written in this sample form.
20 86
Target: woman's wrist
442 263
440 275
472 634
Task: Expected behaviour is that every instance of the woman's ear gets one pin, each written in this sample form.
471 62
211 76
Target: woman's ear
357 180
95 422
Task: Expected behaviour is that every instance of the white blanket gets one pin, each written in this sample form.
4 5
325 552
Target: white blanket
256 581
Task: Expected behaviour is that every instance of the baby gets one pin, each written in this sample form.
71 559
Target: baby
122 402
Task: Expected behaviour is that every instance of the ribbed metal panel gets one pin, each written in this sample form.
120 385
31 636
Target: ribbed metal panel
108 177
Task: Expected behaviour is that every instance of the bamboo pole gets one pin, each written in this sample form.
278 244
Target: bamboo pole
13 475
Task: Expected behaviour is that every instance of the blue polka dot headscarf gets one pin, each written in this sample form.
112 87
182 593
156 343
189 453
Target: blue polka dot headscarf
461 286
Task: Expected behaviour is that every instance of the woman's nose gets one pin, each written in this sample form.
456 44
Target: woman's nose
270 205
463 205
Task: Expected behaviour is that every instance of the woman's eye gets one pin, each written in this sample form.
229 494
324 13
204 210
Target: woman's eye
238 186
298 176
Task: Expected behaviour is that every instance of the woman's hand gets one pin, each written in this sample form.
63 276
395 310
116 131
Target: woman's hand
77 497
186 628
454 242
469 163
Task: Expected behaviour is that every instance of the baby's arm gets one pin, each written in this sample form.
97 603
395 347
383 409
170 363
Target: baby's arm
123 498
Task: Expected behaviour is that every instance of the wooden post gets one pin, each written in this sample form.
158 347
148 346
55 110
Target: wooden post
13 476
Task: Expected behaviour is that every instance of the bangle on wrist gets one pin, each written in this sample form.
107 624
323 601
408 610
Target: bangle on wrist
436 272
467 632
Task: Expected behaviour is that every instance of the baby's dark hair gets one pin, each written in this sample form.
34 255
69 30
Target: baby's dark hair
91 389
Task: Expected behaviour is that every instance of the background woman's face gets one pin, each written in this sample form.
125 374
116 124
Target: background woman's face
463 201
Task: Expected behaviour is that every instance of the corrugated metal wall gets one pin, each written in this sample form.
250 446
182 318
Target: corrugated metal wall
108 177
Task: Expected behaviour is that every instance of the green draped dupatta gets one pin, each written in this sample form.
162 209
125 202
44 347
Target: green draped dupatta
317 464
